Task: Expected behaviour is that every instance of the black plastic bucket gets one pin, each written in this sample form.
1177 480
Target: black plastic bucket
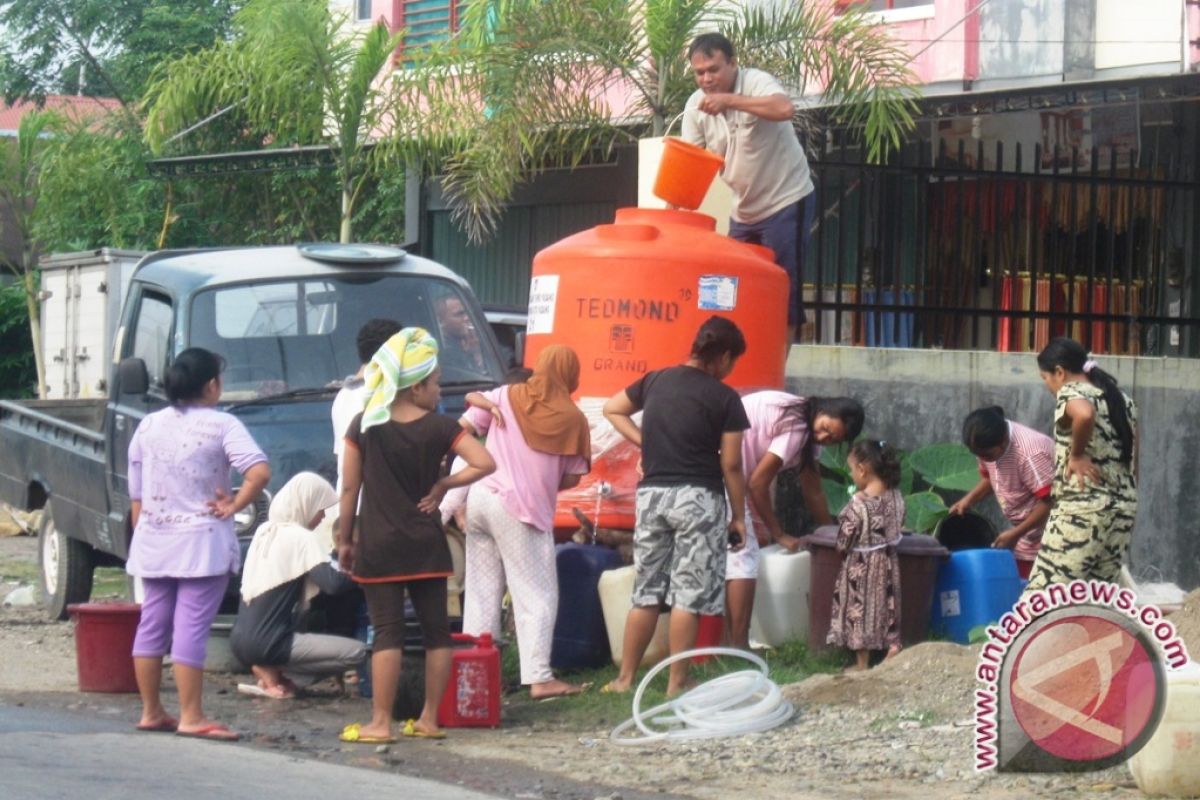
968 532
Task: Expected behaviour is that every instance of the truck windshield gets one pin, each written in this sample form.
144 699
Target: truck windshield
285 335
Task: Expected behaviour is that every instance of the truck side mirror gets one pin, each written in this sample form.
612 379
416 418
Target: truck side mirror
519 349
132 377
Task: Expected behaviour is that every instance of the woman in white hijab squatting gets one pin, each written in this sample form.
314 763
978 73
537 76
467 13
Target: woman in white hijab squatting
288 563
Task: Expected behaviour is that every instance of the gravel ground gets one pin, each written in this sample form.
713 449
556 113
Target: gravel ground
902 730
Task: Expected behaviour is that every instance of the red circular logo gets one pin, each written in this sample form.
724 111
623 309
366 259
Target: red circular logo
1084 687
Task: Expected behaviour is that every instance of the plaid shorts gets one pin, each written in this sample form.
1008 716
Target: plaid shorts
679 548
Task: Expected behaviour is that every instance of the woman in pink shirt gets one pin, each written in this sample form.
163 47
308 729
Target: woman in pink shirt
510 516
784 433
1016 464
184 548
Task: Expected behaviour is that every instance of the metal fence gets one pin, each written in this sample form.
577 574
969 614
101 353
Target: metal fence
995 247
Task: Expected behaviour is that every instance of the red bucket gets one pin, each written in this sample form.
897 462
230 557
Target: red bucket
104 645
685 173
709 634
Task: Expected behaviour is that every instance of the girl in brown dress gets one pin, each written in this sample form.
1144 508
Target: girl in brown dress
866 599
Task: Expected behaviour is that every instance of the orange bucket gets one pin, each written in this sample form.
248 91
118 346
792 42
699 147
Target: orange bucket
685 173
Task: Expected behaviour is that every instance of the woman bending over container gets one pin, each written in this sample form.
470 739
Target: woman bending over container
541 443
184 547
691 440
394 453
287 565
784 431
1016 464
1095 470
866 598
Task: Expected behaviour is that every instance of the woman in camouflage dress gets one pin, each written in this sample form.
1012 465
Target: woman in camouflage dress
1095 470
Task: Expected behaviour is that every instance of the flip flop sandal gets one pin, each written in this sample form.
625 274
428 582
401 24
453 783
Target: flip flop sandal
254 690
164 725
216 732
411 731
574 691
353 733
608 689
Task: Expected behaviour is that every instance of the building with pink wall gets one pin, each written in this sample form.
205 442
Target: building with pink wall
988 45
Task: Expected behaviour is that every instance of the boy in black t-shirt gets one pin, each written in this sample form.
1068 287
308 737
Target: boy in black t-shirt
691 440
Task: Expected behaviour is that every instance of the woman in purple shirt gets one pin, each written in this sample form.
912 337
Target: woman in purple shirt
184 548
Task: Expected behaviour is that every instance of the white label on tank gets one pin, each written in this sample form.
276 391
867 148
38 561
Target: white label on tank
543 297
950 607
718 292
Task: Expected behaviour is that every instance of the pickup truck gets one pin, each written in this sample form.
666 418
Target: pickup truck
285 320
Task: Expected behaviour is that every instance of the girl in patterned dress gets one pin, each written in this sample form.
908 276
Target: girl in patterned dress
1095 469
866 598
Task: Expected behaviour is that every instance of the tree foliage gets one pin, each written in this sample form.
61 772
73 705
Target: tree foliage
292 73
528 84
94 189
19 174
18 376
100 47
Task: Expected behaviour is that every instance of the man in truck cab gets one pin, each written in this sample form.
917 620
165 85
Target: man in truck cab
461 347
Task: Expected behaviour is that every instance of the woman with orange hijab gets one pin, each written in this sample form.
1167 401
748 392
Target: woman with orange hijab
541 443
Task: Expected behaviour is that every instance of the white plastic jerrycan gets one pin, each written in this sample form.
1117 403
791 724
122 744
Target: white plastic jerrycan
1169 764
616 590
781 597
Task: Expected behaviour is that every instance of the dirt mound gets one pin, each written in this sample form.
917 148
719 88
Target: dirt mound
935 677
1187 623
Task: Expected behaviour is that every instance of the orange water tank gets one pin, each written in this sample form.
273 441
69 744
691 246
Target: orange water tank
629 297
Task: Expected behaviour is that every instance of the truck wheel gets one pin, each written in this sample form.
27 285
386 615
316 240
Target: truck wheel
65 566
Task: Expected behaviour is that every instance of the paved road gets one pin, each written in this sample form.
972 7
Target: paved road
48 755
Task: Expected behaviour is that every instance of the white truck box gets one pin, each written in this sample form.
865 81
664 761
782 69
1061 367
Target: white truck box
82 296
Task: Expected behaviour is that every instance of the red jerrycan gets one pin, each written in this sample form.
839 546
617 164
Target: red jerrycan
472 698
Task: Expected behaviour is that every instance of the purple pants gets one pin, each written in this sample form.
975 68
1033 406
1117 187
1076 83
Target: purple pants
176 616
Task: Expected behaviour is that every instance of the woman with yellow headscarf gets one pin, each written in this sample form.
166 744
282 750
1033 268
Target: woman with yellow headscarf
541 443
394 453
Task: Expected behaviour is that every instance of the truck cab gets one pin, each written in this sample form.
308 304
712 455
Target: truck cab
285 319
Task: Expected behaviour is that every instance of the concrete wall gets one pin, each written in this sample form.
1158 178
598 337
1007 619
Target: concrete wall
918 397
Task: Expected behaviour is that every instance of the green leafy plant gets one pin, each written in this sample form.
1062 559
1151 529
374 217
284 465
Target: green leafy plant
18 377
977 635
924 510
927 476
947 466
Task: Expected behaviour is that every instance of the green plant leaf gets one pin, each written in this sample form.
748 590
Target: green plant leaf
833 460
977 634
923 511
906 472
946 466
837 494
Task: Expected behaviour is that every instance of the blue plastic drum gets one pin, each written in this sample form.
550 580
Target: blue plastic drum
580 637
975 587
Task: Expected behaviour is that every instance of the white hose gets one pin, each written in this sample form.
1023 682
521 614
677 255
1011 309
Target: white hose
731 705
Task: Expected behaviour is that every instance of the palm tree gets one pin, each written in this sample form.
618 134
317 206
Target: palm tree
527 83
293 74
20 163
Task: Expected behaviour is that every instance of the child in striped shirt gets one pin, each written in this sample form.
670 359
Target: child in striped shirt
1016 464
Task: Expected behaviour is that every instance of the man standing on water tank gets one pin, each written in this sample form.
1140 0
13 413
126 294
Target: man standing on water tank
744 115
